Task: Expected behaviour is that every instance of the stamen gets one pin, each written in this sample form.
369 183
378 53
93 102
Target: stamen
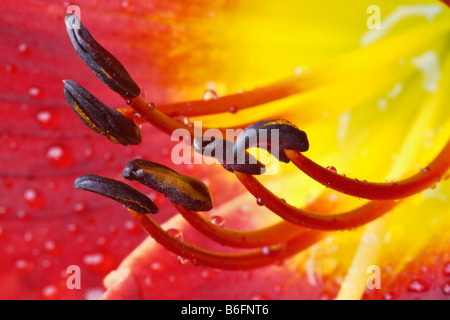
183 190
117 191
162 121
99 117
242 261
240 101
223 152
105 66
288 137
338 221
426 178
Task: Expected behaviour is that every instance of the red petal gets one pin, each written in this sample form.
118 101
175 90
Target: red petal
45 224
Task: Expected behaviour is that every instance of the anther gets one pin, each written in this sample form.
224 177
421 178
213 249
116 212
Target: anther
275 136
182 190
222 151
105 66
117 191
99 117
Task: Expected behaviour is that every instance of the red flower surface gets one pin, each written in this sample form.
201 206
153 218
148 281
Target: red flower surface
172 50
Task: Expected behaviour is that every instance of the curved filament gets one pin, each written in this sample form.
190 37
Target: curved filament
426 178
272 235
347 220
240 261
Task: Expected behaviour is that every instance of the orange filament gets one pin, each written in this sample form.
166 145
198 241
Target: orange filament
239 101
426 178
161 120
239 261
346 220
272 235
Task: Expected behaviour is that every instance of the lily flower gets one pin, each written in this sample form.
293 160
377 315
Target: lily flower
358 205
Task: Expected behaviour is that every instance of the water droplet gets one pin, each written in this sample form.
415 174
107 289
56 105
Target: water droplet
207 274
131 226
182 260
143 94
259 296
128 101
22 215
260 202
13 146
60 156
50 292
23 49
101 242
11 68
51 246
218 221
265 250
80 207
332 169
72 228
418 286
209 95
447 269
4 211
151 106
34 198
157 266
47 119
36 93
98 262
446 288
24 266
426 169
28 237
126 5
176 234
298 70
233 109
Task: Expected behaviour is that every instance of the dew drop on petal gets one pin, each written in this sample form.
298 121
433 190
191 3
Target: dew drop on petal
260 202
98 262
131 226
60 156
259 296
34 198
80 207
446 288
209 95
50 292
4 211
175 233
24 266
36 93
157 266
418 286
23 49
218 221
11 68
28 237
47 119
51 246
447 269
72 228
